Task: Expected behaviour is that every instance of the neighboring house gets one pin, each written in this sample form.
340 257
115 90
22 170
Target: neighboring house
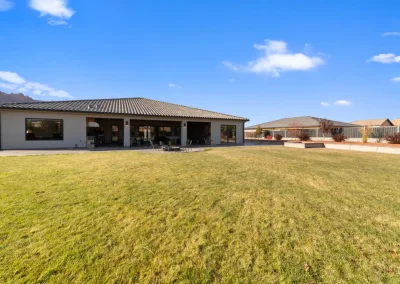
305 122
125 122
396 122
374 122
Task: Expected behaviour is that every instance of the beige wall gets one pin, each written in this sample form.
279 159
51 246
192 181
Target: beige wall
216 130
13 128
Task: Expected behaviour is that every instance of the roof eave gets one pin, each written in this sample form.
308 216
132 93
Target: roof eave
113 113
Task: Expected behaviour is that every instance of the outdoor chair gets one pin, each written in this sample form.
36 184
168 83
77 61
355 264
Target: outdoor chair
188 145
152 146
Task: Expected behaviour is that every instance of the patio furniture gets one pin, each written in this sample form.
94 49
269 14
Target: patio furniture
152 146
188 145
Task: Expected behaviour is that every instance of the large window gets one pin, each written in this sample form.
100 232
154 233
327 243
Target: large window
165 131
147 133
44 129
228 133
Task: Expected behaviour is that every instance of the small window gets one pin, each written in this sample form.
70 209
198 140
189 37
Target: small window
44 129
228 134
164 131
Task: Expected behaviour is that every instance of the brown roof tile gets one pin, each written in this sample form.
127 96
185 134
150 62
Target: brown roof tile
127 106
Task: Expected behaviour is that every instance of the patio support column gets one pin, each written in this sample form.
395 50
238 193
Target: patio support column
184 126
127 132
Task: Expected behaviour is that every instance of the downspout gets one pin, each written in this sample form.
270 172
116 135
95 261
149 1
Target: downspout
243 131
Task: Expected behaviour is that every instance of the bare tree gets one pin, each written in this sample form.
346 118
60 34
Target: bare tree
325 125
297 130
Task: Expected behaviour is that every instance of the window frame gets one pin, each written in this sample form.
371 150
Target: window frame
53 119
230 125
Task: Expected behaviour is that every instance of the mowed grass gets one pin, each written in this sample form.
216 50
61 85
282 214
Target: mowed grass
238 214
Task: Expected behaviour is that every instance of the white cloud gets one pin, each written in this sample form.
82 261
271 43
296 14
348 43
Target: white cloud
172 85
396 79
11 77
54 8
7 86
53 22
324 104
230 65
6 5
276 59
343 103
385 58
12 81
391 34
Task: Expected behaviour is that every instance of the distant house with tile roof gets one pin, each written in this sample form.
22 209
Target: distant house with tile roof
374 122
396 122
306 122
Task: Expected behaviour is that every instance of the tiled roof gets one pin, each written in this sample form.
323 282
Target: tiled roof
127 106
303 121
371 122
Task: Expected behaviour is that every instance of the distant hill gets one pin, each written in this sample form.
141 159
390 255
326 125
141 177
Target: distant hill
14 98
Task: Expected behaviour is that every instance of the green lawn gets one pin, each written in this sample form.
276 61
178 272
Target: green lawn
239 214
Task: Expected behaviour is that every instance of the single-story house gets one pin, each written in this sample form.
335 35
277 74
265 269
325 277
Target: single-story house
281 126
305 122
124 122
374 122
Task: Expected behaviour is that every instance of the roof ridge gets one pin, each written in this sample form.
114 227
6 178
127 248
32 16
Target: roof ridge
133 105
190 107
82 100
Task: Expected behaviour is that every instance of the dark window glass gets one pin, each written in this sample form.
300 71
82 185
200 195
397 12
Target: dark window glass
228 133
44 129
165 131
147 133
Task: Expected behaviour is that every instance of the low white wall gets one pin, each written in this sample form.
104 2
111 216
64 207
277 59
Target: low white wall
362 148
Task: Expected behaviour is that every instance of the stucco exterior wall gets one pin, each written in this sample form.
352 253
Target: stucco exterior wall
216 131
13 128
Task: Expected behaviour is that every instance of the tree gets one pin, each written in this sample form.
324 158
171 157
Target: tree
259 131
325 125
366 131
297 130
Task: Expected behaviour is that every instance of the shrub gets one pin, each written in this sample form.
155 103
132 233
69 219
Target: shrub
366 131
266 133
268 137
338 137
303 135
278 137
297 130
336 130
393 139
258 131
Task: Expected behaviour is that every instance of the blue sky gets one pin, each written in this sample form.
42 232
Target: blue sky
259 59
